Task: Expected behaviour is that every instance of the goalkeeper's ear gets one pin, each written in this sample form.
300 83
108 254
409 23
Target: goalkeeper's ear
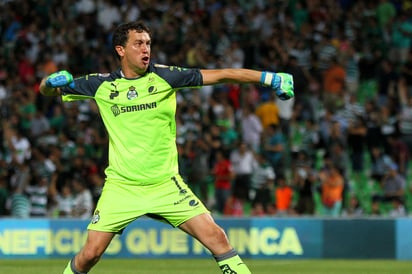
48 91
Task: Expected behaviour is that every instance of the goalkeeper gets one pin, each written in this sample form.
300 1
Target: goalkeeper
137 104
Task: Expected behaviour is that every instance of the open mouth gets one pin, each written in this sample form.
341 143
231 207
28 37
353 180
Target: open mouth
146 59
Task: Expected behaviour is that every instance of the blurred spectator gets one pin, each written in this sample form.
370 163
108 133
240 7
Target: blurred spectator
268 112
334 85
62 198
228 133
336 136
38 193
372 120
214 141
130 10
83 201
258 210
273 147
393 186
18 144
199 169
18 204
354 208
375 210
223 176
286 116
85 6
339 156
39 125
325 124
57 119
234 207
379 164
108 14
311 139
385 12
332 184
352 73
387 77
243 162
406 73
357 143
399 153
389 126
400 31
263 180
304 180
405 115
398 209
250 127
283 197
4 193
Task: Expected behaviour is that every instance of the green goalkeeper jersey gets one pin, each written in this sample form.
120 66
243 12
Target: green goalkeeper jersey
139 115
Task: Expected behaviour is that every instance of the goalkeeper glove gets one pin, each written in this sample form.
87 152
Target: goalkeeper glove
60 79
281 83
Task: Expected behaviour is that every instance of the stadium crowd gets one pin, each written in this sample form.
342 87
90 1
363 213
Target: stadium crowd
341 147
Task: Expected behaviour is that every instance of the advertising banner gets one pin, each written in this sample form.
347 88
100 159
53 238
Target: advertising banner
252 238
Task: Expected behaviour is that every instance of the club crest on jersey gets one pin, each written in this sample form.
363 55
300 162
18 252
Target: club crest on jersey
132 93
96 217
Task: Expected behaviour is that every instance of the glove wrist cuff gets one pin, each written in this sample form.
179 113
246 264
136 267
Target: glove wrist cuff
267 78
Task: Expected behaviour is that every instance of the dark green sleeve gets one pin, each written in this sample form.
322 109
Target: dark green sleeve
178 77
87 85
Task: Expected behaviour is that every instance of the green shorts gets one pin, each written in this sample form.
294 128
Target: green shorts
123 202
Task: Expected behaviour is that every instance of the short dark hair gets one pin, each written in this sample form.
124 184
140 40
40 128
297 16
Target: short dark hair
121 33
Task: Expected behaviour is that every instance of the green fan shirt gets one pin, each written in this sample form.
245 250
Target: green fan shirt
139 115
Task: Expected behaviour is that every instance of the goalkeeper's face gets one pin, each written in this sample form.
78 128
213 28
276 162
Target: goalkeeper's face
135 55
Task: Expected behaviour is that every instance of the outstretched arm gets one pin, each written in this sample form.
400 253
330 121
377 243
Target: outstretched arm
281 83
216 76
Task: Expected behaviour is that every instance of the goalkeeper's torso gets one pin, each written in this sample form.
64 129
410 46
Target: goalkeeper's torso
139 115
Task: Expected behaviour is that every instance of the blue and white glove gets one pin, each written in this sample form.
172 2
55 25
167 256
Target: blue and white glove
60 79
281 83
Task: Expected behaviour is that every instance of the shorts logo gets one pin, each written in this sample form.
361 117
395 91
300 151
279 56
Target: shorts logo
182 200
96 217
193 203
227 270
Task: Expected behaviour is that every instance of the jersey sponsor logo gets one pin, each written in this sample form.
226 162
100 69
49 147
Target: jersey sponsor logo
123 109
227 270
132 93
115 109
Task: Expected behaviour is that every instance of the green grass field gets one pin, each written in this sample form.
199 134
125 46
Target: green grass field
206 266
